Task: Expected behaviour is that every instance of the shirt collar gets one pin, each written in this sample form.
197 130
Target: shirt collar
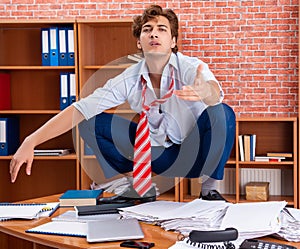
144 70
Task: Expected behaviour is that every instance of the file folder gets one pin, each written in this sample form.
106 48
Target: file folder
62 46
64 99
5 97
72 87
70 47
54 46
9 135
45 38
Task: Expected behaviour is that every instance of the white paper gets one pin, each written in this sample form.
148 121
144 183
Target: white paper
254 219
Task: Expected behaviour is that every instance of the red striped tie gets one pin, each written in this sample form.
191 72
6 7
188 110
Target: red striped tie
142 182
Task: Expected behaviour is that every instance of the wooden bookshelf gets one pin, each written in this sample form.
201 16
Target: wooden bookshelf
35 98
273 135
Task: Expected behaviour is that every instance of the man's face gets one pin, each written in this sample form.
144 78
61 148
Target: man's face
156 36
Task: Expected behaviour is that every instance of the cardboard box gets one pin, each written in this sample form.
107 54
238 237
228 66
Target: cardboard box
257 191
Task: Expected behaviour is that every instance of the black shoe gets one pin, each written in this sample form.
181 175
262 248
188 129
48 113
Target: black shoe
130 195
213 195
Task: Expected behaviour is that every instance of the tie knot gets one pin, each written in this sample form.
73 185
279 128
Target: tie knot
161 100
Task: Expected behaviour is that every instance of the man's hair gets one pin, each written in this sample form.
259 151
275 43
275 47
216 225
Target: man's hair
151 13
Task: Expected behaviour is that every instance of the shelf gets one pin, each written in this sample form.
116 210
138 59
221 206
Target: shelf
229 198
123 66
37 67
254 164
20 112
65 157
288 199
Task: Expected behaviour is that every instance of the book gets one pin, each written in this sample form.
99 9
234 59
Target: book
247 147
241 147
280 154
268 159
64 228
252 146
80 197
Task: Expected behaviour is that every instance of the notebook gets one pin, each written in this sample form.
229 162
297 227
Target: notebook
25 210
113 230
63 228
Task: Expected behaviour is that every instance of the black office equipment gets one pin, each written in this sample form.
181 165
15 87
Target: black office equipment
137 244
101 209
206 239
257 244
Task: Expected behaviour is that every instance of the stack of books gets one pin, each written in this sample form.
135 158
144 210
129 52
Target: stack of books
273 157
247 146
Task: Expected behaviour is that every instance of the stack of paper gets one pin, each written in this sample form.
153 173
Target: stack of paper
254 219
178 216
290 225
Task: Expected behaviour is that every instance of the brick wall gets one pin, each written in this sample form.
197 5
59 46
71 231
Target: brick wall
251 46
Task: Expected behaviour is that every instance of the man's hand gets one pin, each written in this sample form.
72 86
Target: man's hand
24 155
200 90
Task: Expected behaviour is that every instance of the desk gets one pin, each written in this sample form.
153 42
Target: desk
12 234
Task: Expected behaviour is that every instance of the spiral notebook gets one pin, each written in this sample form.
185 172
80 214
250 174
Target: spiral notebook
10 211
64 228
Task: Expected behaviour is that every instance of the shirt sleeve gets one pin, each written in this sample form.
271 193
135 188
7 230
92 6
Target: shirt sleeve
112 94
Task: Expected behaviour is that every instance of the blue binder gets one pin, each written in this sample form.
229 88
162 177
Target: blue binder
62 47
70 47
45 38
54 46
64 89
9 135
72 88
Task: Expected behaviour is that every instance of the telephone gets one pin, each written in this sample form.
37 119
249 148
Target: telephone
218 239
254 243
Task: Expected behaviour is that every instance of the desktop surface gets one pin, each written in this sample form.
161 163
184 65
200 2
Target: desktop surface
13 235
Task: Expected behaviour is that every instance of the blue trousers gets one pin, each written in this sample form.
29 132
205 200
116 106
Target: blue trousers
204 151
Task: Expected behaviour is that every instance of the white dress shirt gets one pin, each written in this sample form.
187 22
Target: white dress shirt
175 118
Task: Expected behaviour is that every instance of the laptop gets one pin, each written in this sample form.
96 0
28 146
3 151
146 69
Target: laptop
114 230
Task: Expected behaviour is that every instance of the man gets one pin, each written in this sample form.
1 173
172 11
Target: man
191 131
